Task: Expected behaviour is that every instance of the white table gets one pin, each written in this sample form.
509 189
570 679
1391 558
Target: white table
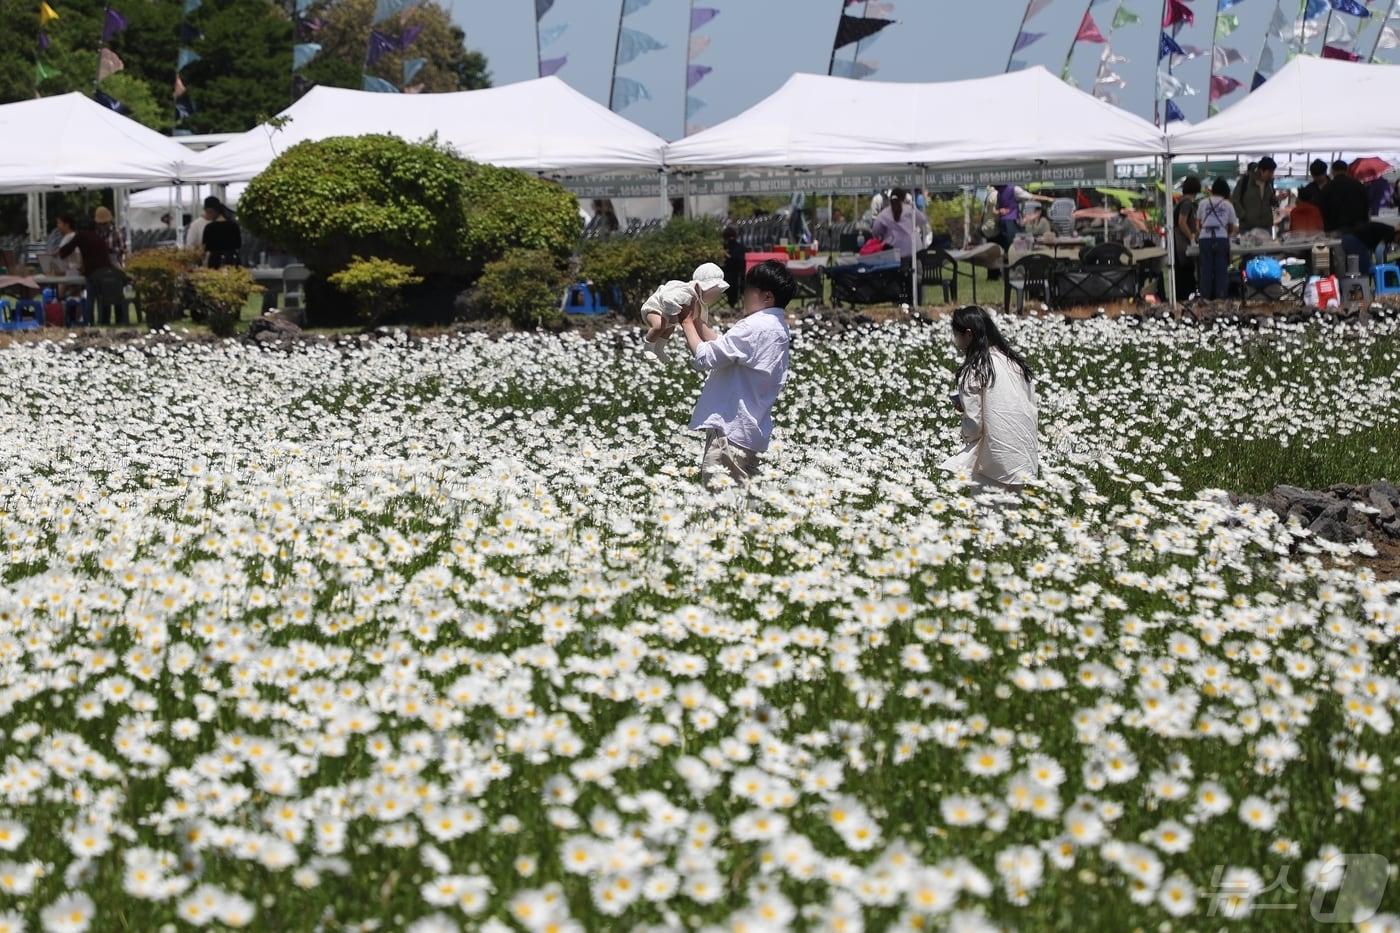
1292 248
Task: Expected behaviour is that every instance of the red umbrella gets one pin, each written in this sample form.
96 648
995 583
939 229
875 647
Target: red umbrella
1369 168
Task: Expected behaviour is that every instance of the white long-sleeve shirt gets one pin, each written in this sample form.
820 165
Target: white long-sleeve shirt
747 367
998 427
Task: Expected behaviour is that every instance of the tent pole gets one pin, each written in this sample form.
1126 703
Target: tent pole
967 217
665 194
1169 280
35 222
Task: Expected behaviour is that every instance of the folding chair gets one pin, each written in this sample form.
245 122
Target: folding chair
1061 216
938 270
1033 275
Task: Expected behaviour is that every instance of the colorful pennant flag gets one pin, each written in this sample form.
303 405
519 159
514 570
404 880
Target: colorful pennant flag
189 34
1266 61
1223 57
411 67
1178 13
1026 39
1224 5
1174 114
1314 9
1389 39
379 46
1167 46
693 105
179 87
186 58
1089 30
1224 25
1339 33
1350 7
303 53
701 15
628 6
855 28
111 103
849 68
1221 85
542 7
409 36
1036 6
112 23
384 9
631 44
1168 85
551 66
192 5
43 41
43 72
627 92
551 35
1340 54
46 14
378 85
694 74
1259 79
184 109
1124 17
698 45
108 64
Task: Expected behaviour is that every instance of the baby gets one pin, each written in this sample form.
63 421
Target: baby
669 303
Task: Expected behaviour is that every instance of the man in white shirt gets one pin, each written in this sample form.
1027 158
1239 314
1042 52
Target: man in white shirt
747 366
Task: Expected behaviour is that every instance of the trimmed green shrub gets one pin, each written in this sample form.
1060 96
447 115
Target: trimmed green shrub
375 286
418 204
526 286
222 294
637 265
158 277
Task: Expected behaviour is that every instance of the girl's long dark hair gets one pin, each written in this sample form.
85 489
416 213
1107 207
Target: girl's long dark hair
897 203
977 361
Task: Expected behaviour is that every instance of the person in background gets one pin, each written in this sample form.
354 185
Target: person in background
194 231
112 235
1242 181
901 226
1312 191
734 265
1254 197
1367 242
996 396
223 241
1216 222
1344 206
1378 195
1185 229
105 284
1008 214
1035 222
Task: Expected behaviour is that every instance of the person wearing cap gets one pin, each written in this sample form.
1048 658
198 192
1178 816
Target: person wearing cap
111 235
669 303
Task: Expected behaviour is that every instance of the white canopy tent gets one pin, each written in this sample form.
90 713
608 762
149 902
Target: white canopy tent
815 121
1310 105
540 126
70 141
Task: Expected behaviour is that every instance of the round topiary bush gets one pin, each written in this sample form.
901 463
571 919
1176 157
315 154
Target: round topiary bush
419 204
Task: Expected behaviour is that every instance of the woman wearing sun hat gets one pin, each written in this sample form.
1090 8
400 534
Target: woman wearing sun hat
112 235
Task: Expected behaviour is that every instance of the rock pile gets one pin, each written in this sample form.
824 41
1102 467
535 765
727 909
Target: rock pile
1341 513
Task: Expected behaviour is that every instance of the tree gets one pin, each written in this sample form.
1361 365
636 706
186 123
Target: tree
344 39
245 68
140 100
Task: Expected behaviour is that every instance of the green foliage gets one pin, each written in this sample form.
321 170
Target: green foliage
526 286
415 203
379 196
158 277
507 209
637 265
344 34
221 294
245 65
375 285
140 98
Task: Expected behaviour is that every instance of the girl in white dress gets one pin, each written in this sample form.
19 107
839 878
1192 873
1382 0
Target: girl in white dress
997 398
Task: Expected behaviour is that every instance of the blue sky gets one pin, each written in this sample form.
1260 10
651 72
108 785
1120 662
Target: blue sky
753 46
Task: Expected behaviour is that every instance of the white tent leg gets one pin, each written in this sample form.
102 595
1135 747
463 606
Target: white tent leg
665 194
1169 280
35 218
967 217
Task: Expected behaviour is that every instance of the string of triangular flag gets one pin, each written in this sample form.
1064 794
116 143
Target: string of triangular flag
1026 36
1221 56
631 45
855 31
383 42
304 47
42 70
1176 14
700 17
547 36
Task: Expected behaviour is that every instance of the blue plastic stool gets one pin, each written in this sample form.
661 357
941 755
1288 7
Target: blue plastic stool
34 306
584 298
1387 278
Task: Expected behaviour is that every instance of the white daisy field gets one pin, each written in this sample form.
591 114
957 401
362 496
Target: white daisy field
443 635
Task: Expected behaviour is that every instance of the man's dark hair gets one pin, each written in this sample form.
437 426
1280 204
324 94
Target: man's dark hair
772 276
1318 167
1267 164
731 233
1221 188
1340 166
1192 185
67 220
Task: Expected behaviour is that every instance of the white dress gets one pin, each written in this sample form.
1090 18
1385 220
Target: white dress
998 428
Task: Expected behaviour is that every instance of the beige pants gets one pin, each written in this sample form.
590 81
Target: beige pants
722 458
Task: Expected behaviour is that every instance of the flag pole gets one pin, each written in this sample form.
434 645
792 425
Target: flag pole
1380 32
617 47
1025 15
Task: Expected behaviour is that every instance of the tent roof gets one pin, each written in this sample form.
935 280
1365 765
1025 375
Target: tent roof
71 141
1311 104
1021 117
542 125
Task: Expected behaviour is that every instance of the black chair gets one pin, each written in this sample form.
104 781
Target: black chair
938 270
1033 275
1093 284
